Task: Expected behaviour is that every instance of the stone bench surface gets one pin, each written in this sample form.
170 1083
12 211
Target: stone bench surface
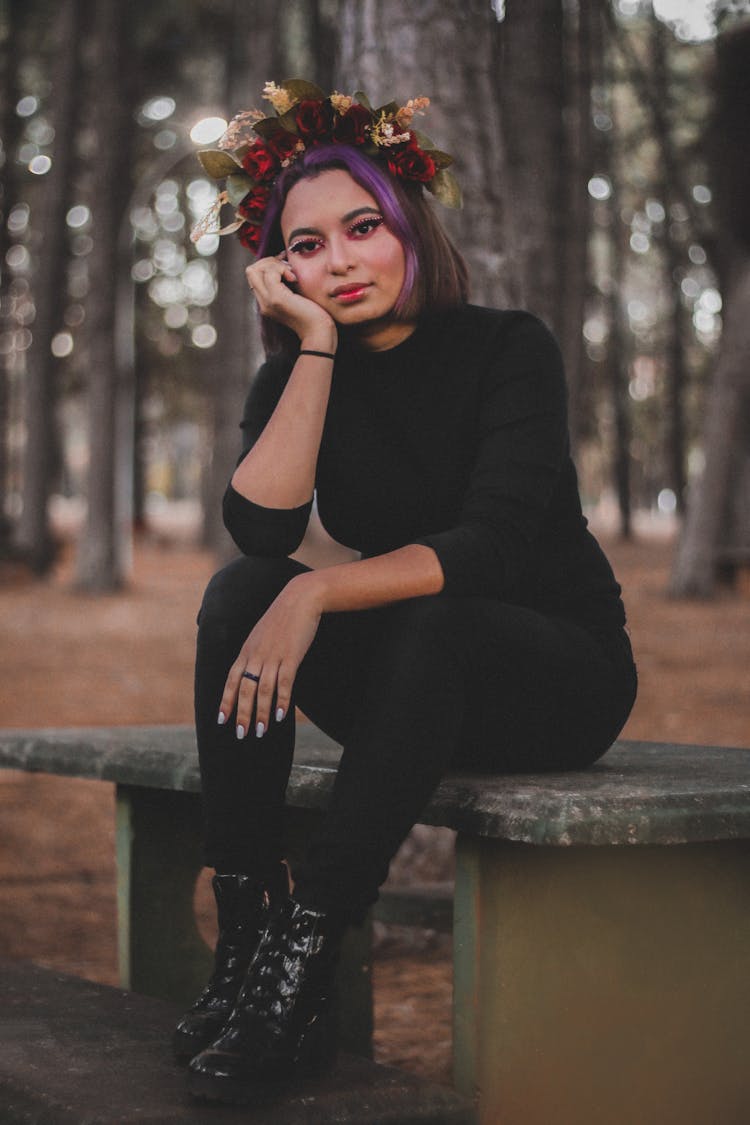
74 1052
639 793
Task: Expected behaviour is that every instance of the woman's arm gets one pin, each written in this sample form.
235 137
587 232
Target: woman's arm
278 643
279 471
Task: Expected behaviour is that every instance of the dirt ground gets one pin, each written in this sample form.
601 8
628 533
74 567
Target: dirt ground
70 659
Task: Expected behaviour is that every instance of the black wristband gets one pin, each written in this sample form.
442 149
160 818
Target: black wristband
323 355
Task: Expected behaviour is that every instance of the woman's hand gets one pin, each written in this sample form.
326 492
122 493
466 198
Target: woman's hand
273 652
270 280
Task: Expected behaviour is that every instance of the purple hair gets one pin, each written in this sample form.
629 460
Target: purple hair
369 176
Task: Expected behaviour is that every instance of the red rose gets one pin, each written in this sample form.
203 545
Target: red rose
249 236
351 127
282 144
411 163
314 118
259 162
254 204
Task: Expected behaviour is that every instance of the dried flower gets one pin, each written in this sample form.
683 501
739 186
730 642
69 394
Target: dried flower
406 113
341 102
239 130
278 97
384 132
209 223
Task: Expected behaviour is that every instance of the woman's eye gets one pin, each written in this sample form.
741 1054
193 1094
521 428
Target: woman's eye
366 226
304 246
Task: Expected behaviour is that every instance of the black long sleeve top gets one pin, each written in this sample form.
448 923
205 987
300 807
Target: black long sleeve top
456 438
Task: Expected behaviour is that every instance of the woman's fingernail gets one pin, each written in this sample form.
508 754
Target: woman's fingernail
221 719
280 712
240 732
260 730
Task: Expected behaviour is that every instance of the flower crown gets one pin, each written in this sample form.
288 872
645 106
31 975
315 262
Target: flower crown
306 117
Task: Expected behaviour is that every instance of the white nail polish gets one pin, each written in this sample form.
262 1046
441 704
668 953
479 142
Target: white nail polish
280 712
240 732
260 730
221 719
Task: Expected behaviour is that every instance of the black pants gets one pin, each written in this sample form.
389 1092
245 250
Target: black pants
410 690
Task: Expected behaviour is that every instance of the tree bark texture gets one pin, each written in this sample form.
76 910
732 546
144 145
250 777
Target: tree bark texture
10 131
448 51
99 566
40 455
579 42
712 498
661 114
532 96
238 351
718 513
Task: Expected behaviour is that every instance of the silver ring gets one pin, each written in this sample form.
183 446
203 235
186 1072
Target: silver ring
251 676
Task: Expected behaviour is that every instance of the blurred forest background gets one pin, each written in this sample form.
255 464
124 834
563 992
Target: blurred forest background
603 147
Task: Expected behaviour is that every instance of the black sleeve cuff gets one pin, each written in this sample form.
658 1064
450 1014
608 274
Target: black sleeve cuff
269 532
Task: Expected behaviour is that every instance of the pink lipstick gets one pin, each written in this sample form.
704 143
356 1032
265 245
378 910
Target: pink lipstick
350 293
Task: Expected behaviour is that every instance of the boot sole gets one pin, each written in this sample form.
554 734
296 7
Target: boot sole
316 1058
258 1089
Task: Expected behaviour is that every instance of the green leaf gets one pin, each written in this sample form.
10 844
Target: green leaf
287 121
300 89
442 159
362 98
268 126
444 186
390 109
238 186
424 141
217 163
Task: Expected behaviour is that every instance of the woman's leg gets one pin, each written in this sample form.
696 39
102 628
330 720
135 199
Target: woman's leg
243 782
463 683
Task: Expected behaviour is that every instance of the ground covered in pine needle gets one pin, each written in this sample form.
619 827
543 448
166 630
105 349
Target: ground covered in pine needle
68 659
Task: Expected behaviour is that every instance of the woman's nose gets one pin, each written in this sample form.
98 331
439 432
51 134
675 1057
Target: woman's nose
339 255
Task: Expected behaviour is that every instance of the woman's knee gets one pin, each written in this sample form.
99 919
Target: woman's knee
420 633
244 589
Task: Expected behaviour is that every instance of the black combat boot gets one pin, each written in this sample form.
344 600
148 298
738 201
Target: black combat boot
282 1026
244 907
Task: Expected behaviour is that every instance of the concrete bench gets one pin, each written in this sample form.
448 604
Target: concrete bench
601 919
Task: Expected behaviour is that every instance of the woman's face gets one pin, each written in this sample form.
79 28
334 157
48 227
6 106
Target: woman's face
344 256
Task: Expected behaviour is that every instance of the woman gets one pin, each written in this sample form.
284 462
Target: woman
482 627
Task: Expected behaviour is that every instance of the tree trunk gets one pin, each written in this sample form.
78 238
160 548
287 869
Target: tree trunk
619 336
10 131
449 51
576 228
618 370
695 568
40 453
99 563
719 500
532 90
238 349
673 260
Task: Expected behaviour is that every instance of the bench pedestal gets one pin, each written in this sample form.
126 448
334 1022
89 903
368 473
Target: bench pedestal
603 984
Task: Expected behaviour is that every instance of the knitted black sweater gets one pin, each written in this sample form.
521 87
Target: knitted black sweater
457 438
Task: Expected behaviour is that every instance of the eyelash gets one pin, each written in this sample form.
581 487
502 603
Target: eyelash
307 245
